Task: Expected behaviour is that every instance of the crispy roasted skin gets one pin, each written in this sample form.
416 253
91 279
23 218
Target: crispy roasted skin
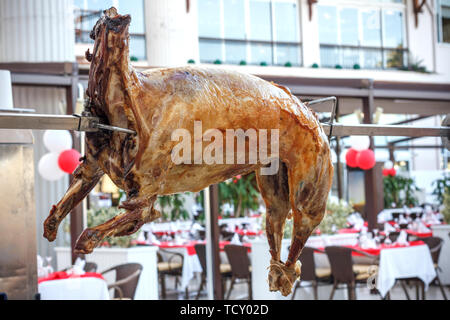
155 103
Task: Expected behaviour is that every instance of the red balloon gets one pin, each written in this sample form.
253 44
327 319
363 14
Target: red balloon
386 172
366 159
392 172
350 157
69 160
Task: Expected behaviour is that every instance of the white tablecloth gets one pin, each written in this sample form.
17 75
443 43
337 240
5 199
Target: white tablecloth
74 289
408 262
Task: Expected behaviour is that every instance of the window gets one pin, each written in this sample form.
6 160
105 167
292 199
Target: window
369 36
250 31
87 12
443 20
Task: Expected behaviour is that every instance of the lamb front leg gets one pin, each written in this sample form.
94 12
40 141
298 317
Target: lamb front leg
85 178
139 211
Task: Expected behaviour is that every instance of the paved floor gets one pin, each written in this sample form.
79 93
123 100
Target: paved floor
240 292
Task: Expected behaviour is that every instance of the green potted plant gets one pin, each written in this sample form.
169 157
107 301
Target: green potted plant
335 216
441 187
172 207
241 192
399 191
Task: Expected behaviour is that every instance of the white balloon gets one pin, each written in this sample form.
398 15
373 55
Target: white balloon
360 142
388 164
57 140
48 167
333 156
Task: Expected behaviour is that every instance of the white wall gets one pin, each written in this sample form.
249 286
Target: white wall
171 32
420 39
310 35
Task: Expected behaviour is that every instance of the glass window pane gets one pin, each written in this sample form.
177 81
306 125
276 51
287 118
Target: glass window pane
137 47
99 4
78 4
446 24
350 57
261 52
87 18
328 24
234 19
134 8
287 53
329 56
210 50
285 21
349 26
392 29
371 59
209 18
260 22
371 28
235 52
395 58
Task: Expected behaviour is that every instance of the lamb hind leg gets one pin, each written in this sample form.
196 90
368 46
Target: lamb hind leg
275 192
85 178
139 212
308 200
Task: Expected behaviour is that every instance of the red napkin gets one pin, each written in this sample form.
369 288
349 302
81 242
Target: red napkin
59 275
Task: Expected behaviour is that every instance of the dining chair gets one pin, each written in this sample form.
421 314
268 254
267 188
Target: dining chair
309 272
394 235
90 267
435 246
225 269
127 279
170 264
240 267
344 271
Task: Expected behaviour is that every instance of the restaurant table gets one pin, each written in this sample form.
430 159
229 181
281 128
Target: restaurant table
399 261
61 286
404 262
191 263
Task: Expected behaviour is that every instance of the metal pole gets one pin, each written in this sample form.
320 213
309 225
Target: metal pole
209 266
90 124
385 130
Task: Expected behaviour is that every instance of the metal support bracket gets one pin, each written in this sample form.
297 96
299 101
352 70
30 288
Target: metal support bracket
333 111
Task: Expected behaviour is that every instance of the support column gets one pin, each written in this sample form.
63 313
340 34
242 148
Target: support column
373 189
338 158
214 241
171 32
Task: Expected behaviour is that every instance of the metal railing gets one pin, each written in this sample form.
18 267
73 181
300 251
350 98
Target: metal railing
347 56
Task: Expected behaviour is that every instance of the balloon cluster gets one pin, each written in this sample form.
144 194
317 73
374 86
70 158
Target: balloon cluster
61 159
388 169
359 155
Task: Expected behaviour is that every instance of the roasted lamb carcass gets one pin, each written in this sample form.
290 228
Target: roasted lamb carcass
156 103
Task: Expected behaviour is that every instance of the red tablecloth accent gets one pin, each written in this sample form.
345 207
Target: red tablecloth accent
190 245
376 251
413 233
348 230
59 275
245 232
166 232
420 234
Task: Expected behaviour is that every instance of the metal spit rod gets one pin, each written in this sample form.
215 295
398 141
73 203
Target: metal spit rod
55 122
92 124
